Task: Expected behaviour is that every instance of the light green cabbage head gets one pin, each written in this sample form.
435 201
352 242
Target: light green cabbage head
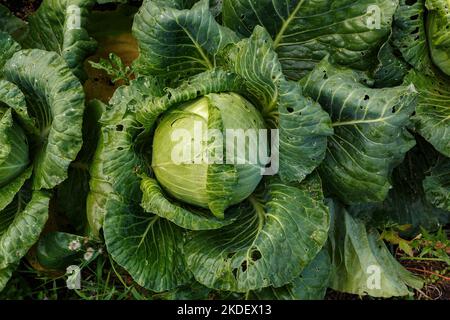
438 30
189 180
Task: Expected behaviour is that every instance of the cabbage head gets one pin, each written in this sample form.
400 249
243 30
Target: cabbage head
438 31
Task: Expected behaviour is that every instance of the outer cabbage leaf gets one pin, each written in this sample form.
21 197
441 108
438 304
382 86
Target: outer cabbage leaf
12 97
8 192
432 118
72 194
55 99
285 223
59 26
148 247
27 216
437 185
12 25
409 34
438 32
407 203
58 250
311 284
7 48
174 40
305 31
370 137
392 68
14 153
115 162
155 201
362 264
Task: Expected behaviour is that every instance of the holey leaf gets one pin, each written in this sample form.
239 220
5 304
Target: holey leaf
311 284
148 247
433 110
409 34
370 136
276 235
174 40
305 31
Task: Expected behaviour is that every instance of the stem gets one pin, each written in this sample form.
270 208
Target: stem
422 259
429 272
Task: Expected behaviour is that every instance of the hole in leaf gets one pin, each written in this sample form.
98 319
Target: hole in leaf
366 97
119 127
394 109
256 255
235 270
120 148
244 266
290 109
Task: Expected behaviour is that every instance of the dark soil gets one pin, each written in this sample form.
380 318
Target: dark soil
21 8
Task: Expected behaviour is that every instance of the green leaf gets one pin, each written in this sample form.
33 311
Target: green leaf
406 203
114 67
148 247
392 69
155 201
214 81
5 275
433 110
192 291
362 264
370 135
72 193
437 185
222 179
304 128
14 152
311 284
55 98
58 250
59 26
99 191
23 231
287 224
115 164
409 34
7 48
305 31
8 192
175 41
12 25
11 96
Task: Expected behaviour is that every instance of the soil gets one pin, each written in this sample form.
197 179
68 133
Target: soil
21 8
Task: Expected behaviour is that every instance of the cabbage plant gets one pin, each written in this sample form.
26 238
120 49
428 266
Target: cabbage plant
223 225
41 110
